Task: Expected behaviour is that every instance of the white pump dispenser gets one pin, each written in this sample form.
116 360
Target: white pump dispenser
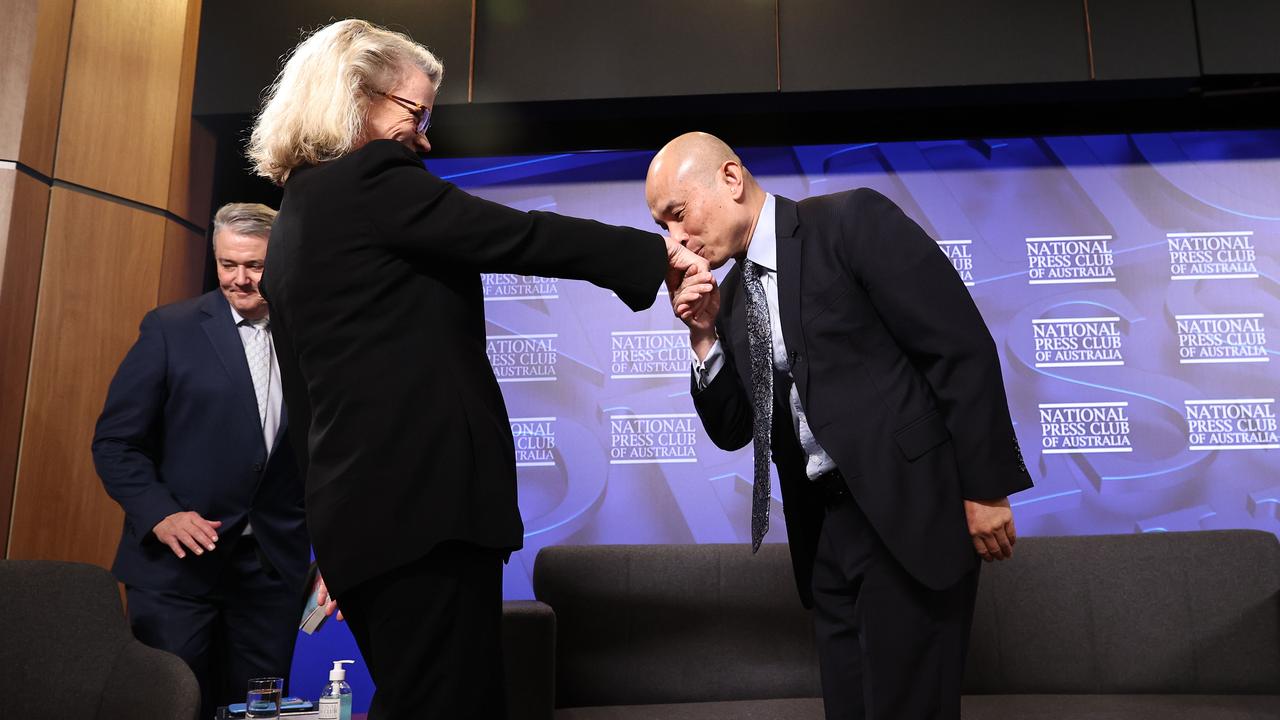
335 701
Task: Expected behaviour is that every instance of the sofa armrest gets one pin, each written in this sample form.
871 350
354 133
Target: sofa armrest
529 656
150 679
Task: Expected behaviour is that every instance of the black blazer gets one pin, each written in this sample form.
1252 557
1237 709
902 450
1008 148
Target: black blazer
898 376
180 431
373 275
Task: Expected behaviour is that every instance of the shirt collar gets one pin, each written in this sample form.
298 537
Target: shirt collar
763 250
237 318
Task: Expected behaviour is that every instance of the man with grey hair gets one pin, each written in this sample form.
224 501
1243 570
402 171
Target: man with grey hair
192 444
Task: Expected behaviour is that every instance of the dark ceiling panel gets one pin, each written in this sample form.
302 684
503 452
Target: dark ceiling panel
1239 37
838 44
1139 39
579 49
241 42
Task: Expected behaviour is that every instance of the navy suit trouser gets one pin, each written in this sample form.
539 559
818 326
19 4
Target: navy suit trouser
244 628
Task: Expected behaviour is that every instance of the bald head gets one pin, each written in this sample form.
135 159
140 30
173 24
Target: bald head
695 156
698 190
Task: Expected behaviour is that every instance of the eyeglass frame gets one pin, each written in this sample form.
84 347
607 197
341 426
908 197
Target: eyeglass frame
419 111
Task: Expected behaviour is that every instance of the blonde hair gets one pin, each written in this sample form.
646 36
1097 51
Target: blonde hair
316 109
252 219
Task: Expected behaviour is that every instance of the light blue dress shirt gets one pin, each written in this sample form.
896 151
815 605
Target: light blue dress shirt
763 251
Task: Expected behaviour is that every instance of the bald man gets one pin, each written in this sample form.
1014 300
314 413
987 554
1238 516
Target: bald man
845 347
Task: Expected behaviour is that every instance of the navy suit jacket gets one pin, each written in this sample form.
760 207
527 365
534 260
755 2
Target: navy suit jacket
897 373
180 431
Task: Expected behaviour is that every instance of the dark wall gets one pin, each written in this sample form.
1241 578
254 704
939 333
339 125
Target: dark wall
1140 39
835 45
1239 36
521 58
563 75
556 50
575 49
242 42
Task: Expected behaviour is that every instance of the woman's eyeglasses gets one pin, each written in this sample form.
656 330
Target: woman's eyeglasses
421 112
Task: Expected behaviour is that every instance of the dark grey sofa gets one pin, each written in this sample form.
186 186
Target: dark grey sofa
66 652
1168 626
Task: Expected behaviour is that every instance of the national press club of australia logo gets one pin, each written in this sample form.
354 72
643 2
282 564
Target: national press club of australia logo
1070 259
960 253
523 358
1227 255
645 354
1084 427
499 287
1222 338
1077 342
535 441
1232 424
653 438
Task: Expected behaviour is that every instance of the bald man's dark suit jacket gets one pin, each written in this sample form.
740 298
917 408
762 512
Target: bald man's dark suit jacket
897 374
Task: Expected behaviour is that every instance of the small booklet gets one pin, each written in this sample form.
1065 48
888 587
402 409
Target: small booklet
288 706
313 612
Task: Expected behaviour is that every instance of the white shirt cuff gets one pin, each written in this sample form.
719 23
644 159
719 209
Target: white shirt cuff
705 370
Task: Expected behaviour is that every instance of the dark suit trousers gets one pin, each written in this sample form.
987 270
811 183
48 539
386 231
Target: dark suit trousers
244 628
431 634
889 648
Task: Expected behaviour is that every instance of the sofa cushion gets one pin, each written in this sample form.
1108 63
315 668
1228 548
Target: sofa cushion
973 707
1195 612
639 625
1121 707
529 659
788 709
1160 613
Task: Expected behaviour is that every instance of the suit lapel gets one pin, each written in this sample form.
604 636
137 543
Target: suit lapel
786 223
224 337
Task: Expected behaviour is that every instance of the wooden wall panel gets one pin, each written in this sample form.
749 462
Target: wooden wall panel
44 91
193 145
17 48
24 206
100 275
122 97
33 57
182 267
191 183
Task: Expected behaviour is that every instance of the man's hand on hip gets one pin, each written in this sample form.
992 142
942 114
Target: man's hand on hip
991 527
187 529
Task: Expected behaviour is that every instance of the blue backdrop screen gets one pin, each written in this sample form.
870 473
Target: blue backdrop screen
1129 281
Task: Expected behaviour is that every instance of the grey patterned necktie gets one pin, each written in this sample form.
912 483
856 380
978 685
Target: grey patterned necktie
760 342
258 352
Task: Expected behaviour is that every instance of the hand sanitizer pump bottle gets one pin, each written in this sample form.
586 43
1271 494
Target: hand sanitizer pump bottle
335 701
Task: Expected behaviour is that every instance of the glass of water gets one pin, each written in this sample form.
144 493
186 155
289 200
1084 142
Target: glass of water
263 702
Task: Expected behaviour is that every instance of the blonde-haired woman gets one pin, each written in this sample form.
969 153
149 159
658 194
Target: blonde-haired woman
373 276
